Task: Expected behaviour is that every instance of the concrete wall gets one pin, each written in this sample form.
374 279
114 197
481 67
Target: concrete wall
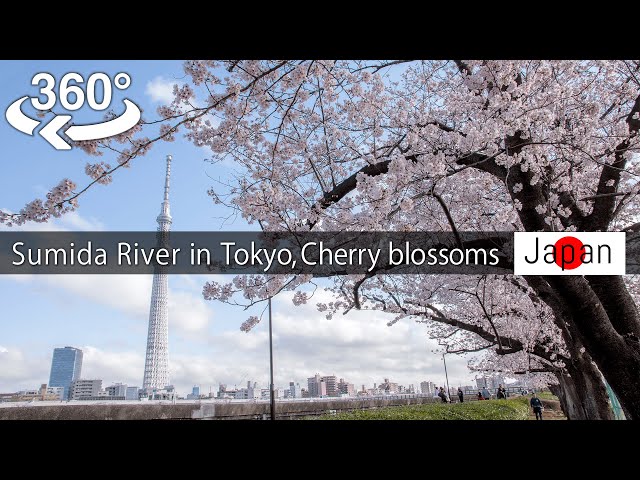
196 410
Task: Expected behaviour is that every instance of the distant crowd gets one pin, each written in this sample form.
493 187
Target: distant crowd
485 394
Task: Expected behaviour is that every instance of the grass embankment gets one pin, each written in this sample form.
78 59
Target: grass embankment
512 409
547 396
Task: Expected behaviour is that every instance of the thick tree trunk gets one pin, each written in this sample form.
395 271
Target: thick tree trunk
617 354
582 393
621 368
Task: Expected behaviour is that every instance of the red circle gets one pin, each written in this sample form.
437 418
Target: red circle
572 248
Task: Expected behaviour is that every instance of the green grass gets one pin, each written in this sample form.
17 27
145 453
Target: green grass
547 396
512 409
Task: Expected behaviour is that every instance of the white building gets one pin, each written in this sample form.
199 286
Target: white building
253 390
58 391
428 388
117 390
241 394
295 391
492 382
278 393
84 389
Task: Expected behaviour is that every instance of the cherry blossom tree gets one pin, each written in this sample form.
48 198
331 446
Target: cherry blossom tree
418 146
498 315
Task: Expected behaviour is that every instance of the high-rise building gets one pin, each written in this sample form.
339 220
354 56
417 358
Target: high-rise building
388 387
117 390
312 385
195 393
332 385
156 367
428 388
253 390
346 388
66 366
491 382
317 386
85 389
294 390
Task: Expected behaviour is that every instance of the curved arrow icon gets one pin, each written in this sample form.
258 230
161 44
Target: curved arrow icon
19 120
118 125
50 132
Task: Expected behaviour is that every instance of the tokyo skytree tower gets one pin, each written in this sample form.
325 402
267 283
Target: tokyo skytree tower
156 367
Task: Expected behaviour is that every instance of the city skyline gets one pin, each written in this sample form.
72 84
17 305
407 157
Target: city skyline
113 367
66 371
69 364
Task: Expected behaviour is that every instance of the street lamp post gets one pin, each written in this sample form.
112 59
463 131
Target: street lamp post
446 376
272 396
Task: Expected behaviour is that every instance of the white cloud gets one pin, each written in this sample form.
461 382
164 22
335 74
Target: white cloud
188 312
358 346
74 222
128 294
21 371
110 366
160 89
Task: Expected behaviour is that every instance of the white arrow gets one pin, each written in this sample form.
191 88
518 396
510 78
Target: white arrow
19 120
96 131
50 132
118 125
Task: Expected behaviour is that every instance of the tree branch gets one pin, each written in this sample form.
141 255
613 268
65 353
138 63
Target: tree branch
604 204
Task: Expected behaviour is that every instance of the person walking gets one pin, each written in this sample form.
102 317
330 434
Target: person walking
443 395
502 392
460 395
486 394
536 404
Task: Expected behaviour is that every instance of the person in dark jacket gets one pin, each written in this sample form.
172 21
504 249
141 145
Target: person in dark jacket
460 395
443 395
480 397
536 404
502 392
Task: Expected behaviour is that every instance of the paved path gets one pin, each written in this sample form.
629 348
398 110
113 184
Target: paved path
552 411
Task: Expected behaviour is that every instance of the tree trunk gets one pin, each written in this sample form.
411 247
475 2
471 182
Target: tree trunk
617 354
582 393
621 367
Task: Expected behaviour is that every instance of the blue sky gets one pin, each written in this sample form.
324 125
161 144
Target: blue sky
107 315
